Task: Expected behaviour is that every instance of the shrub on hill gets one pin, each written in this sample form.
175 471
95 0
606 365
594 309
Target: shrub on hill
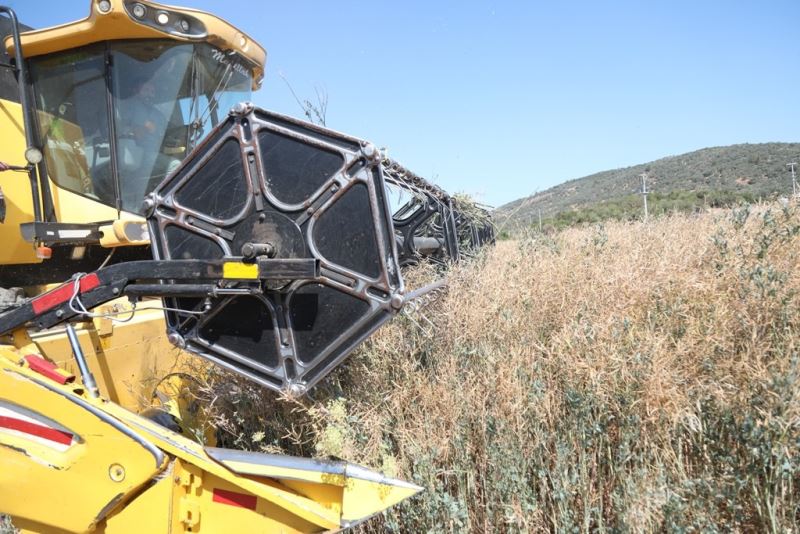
629 208
755 171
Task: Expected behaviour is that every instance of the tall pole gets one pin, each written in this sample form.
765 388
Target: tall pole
540 219
791 166
644 192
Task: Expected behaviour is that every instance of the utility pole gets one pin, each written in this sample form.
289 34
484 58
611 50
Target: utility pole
644 193
791 166
540 220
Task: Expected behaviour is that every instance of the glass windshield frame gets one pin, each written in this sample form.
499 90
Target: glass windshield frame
115 118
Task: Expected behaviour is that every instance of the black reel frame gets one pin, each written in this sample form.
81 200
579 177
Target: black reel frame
425 226
432 225
267 185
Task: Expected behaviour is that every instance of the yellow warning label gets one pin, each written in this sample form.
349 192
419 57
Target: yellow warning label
241 271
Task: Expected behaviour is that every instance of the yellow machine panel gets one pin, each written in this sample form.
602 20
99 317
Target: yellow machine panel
17 192
108 346
15 186
43 460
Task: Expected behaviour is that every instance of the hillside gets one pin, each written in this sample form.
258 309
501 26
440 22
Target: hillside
748 171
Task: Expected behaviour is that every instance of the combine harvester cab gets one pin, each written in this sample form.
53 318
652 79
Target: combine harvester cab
258 242
274 257
270 247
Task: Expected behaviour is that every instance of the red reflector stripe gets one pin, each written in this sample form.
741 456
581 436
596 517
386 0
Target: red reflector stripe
44 432
63 293
235 499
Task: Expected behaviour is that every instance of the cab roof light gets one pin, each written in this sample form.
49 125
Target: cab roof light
163 20
139 11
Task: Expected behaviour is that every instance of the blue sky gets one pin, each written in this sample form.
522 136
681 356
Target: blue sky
503 99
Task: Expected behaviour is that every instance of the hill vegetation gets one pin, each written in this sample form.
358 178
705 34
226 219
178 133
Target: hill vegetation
712 177
607 378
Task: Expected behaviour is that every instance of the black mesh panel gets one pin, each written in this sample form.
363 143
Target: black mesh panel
295 170
186 245
345 235
319 315
219 188
245 327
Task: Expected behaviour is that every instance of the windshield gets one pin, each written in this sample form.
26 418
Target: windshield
164 97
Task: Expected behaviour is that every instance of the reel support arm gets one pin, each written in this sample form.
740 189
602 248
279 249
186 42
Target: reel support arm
168 278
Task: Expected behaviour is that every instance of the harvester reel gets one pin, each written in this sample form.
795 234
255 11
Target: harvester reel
425 229
474 232
267 185
425 226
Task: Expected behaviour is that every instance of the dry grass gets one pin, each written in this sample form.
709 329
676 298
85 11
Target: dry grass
622 378
5 525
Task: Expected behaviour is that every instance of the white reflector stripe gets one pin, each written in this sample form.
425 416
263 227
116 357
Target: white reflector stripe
73 234
22 425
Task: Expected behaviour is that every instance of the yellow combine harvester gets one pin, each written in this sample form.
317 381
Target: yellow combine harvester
149 216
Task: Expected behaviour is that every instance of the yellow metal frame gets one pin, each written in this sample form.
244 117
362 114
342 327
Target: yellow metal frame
128 359
129 474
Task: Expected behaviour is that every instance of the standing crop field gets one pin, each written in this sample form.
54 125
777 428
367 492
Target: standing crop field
625 377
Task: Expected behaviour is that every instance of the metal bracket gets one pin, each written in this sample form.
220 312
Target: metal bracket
60 233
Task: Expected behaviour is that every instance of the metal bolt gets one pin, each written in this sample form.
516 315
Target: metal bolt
147 206
251 250
370 152
242 108
295 390
397 301
60 314
176 339
115 291
116 472
139 11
